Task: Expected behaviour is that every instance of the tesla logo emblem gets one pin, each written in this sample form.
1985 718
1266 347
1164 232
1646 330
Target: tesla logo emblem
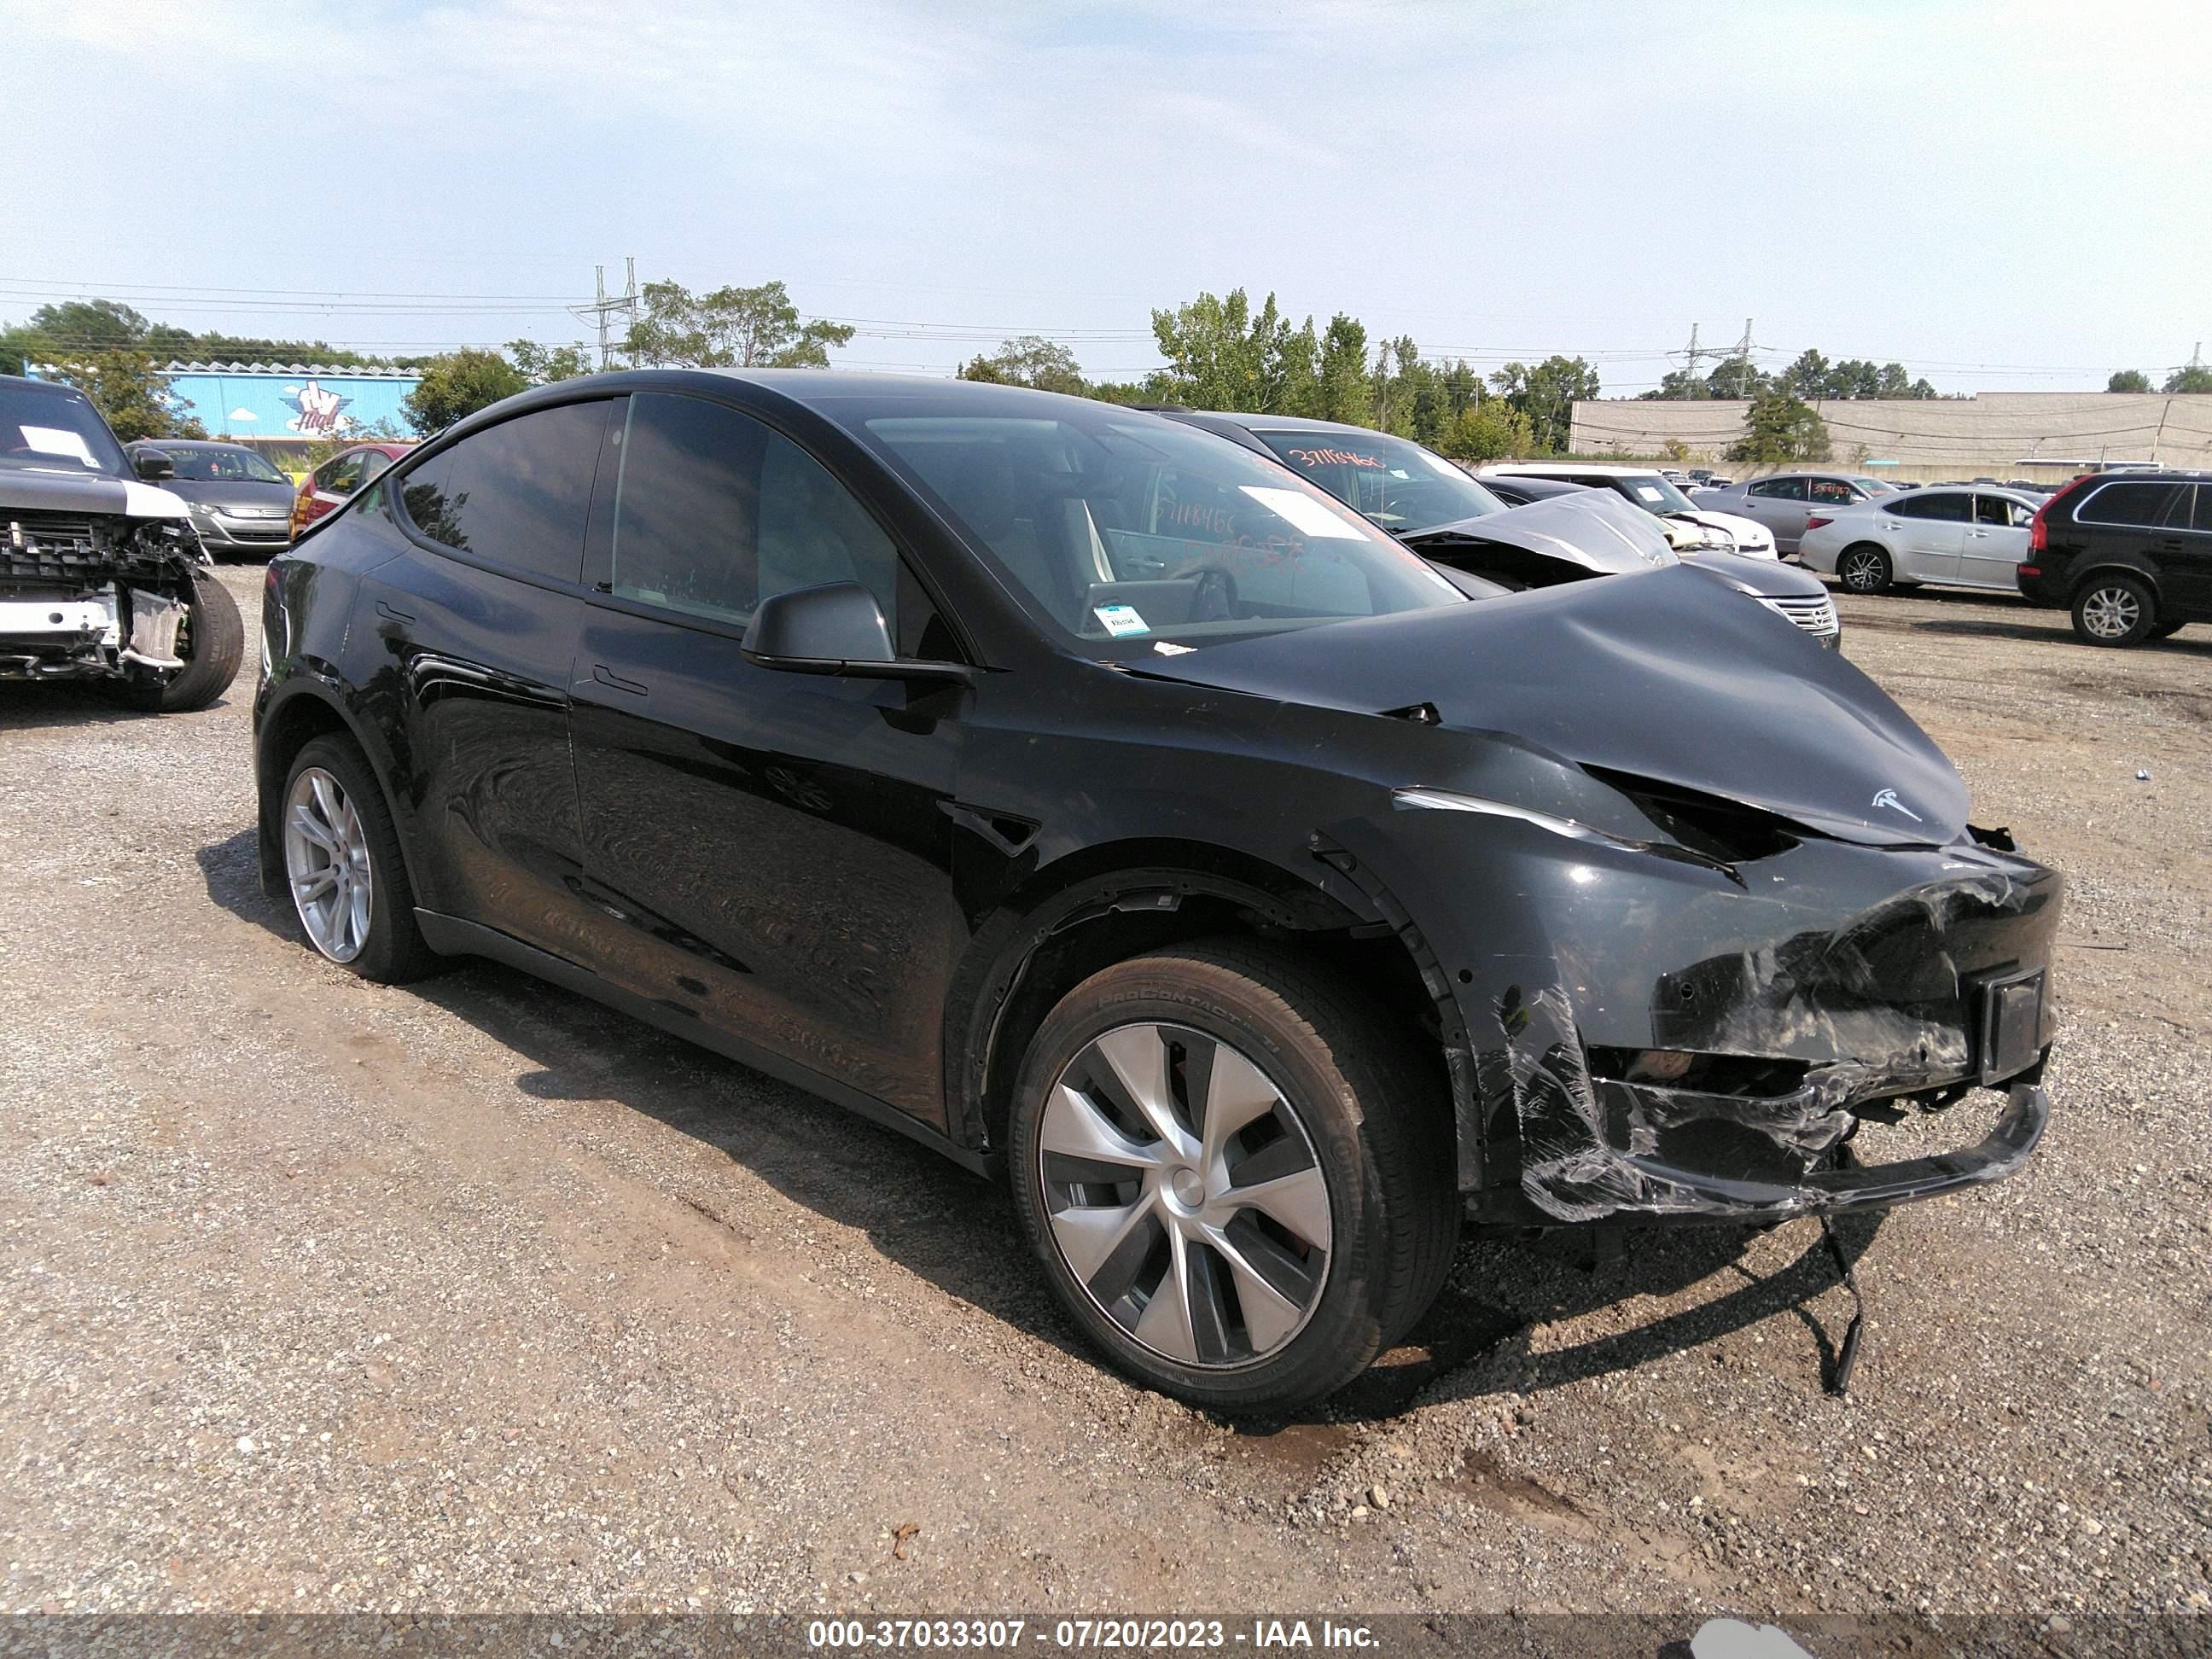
1888 798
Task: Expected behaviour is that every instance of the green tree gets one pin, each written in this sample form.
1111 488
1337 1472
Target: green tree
1488 431
460 383
1679 386
1546 396
1029 360
1807 377
1220 355
730 328
1343 393
2192 377
1735 377
2129 380
1778 427
544 365
131 393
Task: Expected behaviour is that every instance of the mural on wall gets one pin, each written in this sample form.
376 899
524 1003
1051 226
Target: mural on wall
317 411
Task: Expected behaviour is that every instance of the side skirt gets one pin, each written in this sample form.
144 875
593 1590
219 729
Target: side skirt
450 936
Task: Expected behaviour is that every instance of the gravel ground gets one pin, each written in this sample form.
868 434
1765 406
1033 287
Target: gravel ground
323 1296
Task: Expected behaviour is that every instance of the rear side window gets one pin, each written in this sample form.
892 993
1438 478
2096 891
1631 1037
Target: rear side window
715 511
1832 492
1949 507
340 476
516 494
1996 509
1778 489
2136 504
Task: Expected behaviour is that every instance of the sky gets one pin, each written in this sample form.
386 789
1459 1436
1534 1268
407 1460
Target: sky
2002 194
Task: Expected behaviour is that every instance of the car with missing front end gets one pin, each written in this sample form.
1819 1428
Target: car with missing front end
1547 534
1119 814
103 578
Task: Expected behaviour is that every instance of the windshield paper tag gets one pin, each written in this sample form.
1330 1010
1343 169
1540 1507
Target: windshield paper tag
1120 620
57 440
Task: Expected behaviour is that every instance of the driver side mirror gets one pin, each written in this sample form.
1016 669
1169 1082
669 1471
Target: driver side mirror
838 629
153 464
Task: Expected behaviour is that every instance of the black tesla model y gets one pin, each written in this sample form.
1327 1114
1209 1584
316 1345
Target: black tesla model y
1097 801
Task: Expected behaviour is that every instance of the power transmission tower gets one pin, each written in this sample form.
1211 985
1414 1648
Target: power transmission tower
605 307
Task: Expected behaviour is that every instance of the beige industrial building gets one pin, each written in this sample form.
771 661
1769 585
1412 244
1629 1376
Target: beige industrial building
2042 435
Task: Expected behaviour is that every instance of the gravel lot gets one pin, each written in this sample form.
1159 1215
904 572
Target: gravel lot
324 1296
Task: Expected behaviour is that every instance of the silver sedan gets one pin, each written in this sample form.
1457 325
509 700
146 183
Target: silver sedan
1784 501
1963 537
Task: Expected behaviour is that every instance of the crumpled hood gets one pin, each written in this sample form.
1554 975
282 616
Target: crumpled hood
35 489
1643 674
1593 529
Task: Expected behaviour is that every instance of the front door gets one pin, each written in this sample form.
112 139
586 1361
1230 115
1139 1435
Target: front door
767 853
1994 543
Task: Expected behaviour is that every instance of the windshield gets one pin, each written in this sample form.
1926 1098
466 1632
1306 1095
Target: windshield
1875 486
63 434
1130 534
1654 494
1397 484
223 465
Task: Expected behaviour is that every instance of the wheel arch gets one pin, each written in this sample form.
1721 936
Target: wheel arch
1118 900
2114 566
296 714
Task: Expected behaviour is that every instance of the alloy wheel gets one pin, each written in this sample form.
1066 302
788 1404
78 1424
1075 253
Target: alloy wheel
1861 571
326 862
1184 1194
2111 613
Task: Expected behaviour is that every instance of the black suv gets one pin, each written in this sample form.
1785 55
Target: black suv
2129 553
1105 806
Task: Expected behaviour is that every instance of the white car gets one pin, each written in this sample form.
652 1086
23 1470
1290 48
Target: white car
1973 537
1644 487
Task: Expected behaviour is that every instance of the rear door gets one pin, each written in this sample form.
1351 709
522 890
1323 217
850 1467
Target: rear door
1934 534
2185 554
1780 504
1994 543
476 620
767 853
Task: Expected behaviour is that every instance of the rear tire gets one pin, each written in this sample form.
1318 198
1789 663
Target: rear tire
216 637
1311 1228
2114 609
344 868
1862 568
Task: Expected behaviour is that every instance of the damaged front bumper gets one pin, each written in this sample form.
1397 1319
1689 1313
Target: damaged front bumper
93 597
1642 1037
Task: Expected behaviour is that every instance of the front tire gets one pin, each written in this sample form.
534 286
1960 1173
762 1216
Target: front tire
1862 568
215 638
2113 610
344 868
1237 1173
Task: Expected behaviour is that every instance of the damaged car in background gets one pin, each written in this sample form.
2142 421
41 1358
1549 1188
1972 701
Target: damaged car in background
102 576
1559 533
1109 808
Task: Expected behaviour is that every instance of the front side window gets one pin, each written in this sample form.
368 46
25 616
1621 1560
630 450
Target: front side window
714 512
2140 503
1778 489
516 494
1123 532
1397 485
2201 518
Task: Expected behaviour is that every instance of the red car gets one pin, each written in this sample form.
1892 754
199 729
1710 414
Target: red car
330 485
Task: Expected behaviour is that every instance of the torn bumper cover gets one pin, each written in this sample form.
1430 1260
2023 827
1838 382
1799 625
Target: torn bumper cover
1646 1037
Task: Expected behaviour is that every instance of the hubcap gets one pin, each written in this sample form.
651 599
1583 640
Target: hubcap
326 860
2110 613
1184 1195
